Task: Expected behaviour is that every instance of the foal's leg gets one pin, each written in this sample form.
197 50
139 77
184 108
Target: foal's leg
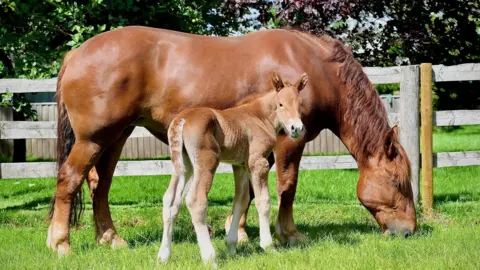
171 205
240 204
259 169
69 180
242 234
104 229
205 163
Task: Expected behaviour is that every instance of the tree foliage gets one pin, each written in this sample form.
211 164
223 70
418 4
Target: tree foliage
34 35
392 32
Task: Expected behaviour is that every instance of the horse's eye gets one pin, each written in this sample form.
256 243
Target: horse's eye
280 104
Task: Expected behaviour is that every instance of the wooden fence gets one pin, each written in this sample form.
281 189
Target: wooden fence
406 112
150 147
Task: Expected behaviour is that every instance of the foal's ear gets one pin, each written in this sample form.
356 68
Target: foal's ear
389 142
277 81
300 84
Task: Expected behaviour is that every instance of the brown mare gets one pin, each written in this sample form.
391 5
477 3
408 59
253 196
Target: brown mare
243 136
139 76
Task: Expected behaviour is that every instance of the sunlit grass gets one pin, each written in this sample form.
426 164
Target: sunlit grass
341 233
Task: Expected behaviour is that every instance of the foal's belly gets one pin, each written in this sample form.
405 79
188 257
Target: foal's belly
237 157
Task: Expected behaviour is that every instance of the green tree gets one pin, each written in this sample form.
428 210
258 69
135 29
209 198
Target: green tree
35 34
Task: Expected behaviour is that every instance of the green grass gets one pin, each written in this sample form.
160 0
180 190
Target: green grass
341 233
465 138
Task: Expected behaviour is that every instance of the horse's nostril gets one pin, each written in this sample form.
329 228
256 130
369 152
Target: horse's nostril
406 235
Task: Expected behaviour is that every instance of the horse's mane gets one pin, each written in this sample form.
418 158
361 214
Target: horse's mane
364 109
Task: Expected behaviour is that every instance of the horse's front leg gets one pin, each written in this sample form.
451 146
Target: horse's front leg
104 229
288 153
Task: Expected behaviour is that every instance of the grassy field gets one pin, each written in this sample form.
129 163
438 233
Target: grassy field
341 233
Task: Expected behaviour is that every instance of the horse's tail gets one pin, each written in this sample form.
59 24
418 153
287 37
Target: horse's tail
175 140
65 141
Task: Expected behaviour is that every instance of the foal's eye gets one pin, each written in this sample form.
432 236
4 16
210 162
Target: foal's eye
280 104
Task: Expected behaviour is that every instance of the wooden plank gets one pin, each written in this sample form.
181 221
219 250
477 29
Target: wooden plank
462 72
336 143
323 142
316 143
456 118
377 75
51 142
45 142
329 141
383 75
409 122
48 130
163 167
427 140
454 159
28 86
147 149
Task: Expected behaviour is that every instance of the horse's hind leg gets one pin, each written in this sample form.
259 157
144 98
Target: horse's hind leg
240 204
104 229
69 180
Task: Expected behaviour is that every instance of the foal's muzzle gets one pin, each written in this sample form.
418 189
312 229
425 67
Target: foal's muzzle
295 129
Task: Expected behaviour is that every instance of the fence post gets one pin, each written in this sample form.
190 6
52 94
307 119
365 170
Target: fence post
427 153
409 126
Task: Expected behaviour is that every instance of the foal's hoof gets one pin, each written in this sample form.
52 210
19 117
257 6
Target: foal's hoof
163 255
242 235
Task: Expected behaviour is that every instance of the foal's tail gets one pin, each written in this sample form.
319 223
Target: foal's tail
65 141
175 140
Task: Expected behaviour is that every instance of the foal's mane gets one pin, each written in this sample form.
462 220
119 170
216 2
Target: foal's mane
364 110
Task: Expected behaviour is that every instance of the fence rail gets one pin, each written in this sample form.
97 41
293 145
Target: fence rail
164 167
48 129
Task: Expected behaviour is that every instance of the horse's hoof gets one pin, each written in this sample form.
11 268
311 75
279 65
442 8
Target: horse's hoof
242 237
118 242
63 250
289 238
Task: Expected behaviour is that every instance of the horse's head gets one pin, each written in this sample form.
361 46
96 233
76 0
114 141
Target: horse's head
384 187
289 105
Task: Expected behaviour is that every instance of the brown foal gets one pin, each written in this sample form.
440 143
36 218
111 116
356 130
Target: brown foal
141 76
243 136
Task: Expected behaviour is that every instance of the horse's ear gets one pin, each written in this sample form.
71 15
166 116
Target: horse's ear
277 81
302 82
389 142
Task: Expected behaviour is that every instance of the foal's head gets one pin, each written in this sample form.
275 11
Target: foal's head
289 105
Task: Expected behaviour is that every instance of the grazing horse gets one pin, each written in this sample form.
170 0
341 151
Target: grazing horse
243 136
141 76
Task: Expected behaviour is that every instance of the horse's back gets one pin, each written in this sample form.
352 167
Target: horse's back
144 76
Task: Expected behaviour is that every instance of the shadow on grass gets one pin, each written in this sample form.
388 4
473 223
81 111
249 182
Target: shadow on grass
29 205
456 197
27 191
